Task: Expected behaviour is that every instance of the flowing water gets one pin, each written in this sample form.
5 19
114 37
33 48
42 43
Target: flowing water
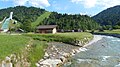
103 53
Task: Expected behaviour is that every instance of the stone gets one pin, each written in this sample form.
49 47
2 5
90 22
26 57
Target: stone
66 55
8 59
4 64
46 54
37 65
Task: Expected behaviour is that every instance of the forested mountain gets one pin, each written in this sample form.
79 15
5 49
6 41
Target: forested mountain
21 13
110 16
70 22
27 16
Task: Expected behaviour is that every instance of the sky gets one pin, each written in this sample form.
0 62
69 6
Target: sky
89 7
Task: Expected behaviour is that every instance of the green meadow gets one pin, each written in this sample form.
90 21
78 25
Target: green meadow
10 44
16 44
117 31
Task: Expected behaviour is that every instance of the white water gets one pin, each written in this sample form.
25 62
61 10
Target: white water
102 51
95 39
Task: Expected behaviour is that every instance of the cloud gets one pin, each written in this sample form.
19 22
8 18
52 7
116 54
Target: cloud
41 3
93 3
89 3
108 3
86 3
35 3
19 2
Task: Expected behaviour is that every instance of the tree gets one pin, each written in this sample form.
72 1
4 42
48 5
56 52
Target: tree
26 26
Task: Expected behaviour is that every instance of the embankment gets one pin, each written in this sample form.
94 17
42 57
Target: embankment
28 49
61 46
76 39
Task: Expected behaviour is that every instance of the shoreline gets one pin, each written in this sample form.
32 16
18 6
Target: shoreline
61 57
95 39
108 34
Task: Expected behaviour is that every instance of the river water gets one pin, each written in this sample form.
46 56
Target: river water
103 53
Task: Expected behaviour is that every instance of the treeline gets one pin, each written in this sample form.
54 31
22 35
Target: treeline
21 13
71 22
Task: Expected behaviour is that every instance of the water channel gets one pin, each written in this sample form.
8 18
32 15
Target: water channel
103 53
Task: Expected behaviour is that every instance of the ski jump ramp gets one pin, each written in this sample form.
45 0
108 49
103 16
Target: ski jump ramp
5 25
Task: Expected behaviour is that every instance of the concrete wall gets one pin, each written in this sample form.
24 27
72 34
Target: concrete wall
54 31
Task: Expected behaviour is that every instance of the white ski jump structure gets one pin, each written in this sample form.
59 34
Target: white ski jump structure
5 25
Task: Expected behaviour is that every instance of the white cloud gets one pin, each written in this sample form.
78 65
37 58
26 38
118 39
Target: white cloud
35 3
19 2
89 3
93 3
76 1
41 3
108 3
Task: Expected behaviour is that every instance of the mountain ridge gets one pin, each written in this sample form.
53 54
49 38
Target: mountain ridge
110 16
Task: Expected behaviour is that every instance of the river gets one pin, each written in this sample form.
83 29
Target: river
103 53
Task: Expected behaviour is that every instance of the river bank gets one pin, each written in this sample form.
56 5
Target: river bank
51 47
58 54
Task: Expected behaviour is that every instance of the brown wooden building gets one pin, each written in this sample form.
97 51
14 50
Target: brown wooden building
47 29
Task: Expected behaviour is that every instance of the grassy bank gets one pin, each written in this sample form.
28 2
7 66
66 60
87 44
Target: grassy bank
16 44
31 46
70 38
117 31
37 52
11 44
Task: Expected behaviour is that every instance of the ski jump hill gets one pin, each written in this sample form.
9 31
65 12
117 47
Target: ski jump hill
5 23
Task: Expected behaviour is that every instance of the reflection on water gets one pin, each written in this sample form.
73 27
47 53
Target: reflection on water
104 53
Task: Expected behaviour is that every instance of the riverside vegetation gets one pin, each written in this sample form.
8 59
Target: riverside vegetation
28 49
116 31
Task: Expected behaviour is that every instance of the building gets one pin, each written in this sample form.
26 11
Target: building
47 29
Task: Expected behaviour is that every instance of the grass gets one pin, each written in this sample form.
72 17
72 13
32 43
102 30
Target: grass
37 52
117 31
11 44
40 19
16 44
69 38
0 25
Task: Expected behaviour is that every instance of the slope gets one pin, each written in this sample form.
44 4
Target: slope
110 16
40 19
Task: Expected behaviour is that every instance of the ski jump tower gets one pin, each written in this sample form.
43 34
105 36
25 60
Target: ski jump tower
5 25
11 13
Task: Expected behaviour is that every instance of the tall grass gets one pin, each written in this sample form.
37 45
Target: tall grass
10 44
69 38
16 44
37 52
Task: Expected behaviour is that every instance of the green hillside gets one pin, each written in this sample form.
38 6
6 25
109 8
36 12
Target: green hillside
110 16
29 18
40 19
70 22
